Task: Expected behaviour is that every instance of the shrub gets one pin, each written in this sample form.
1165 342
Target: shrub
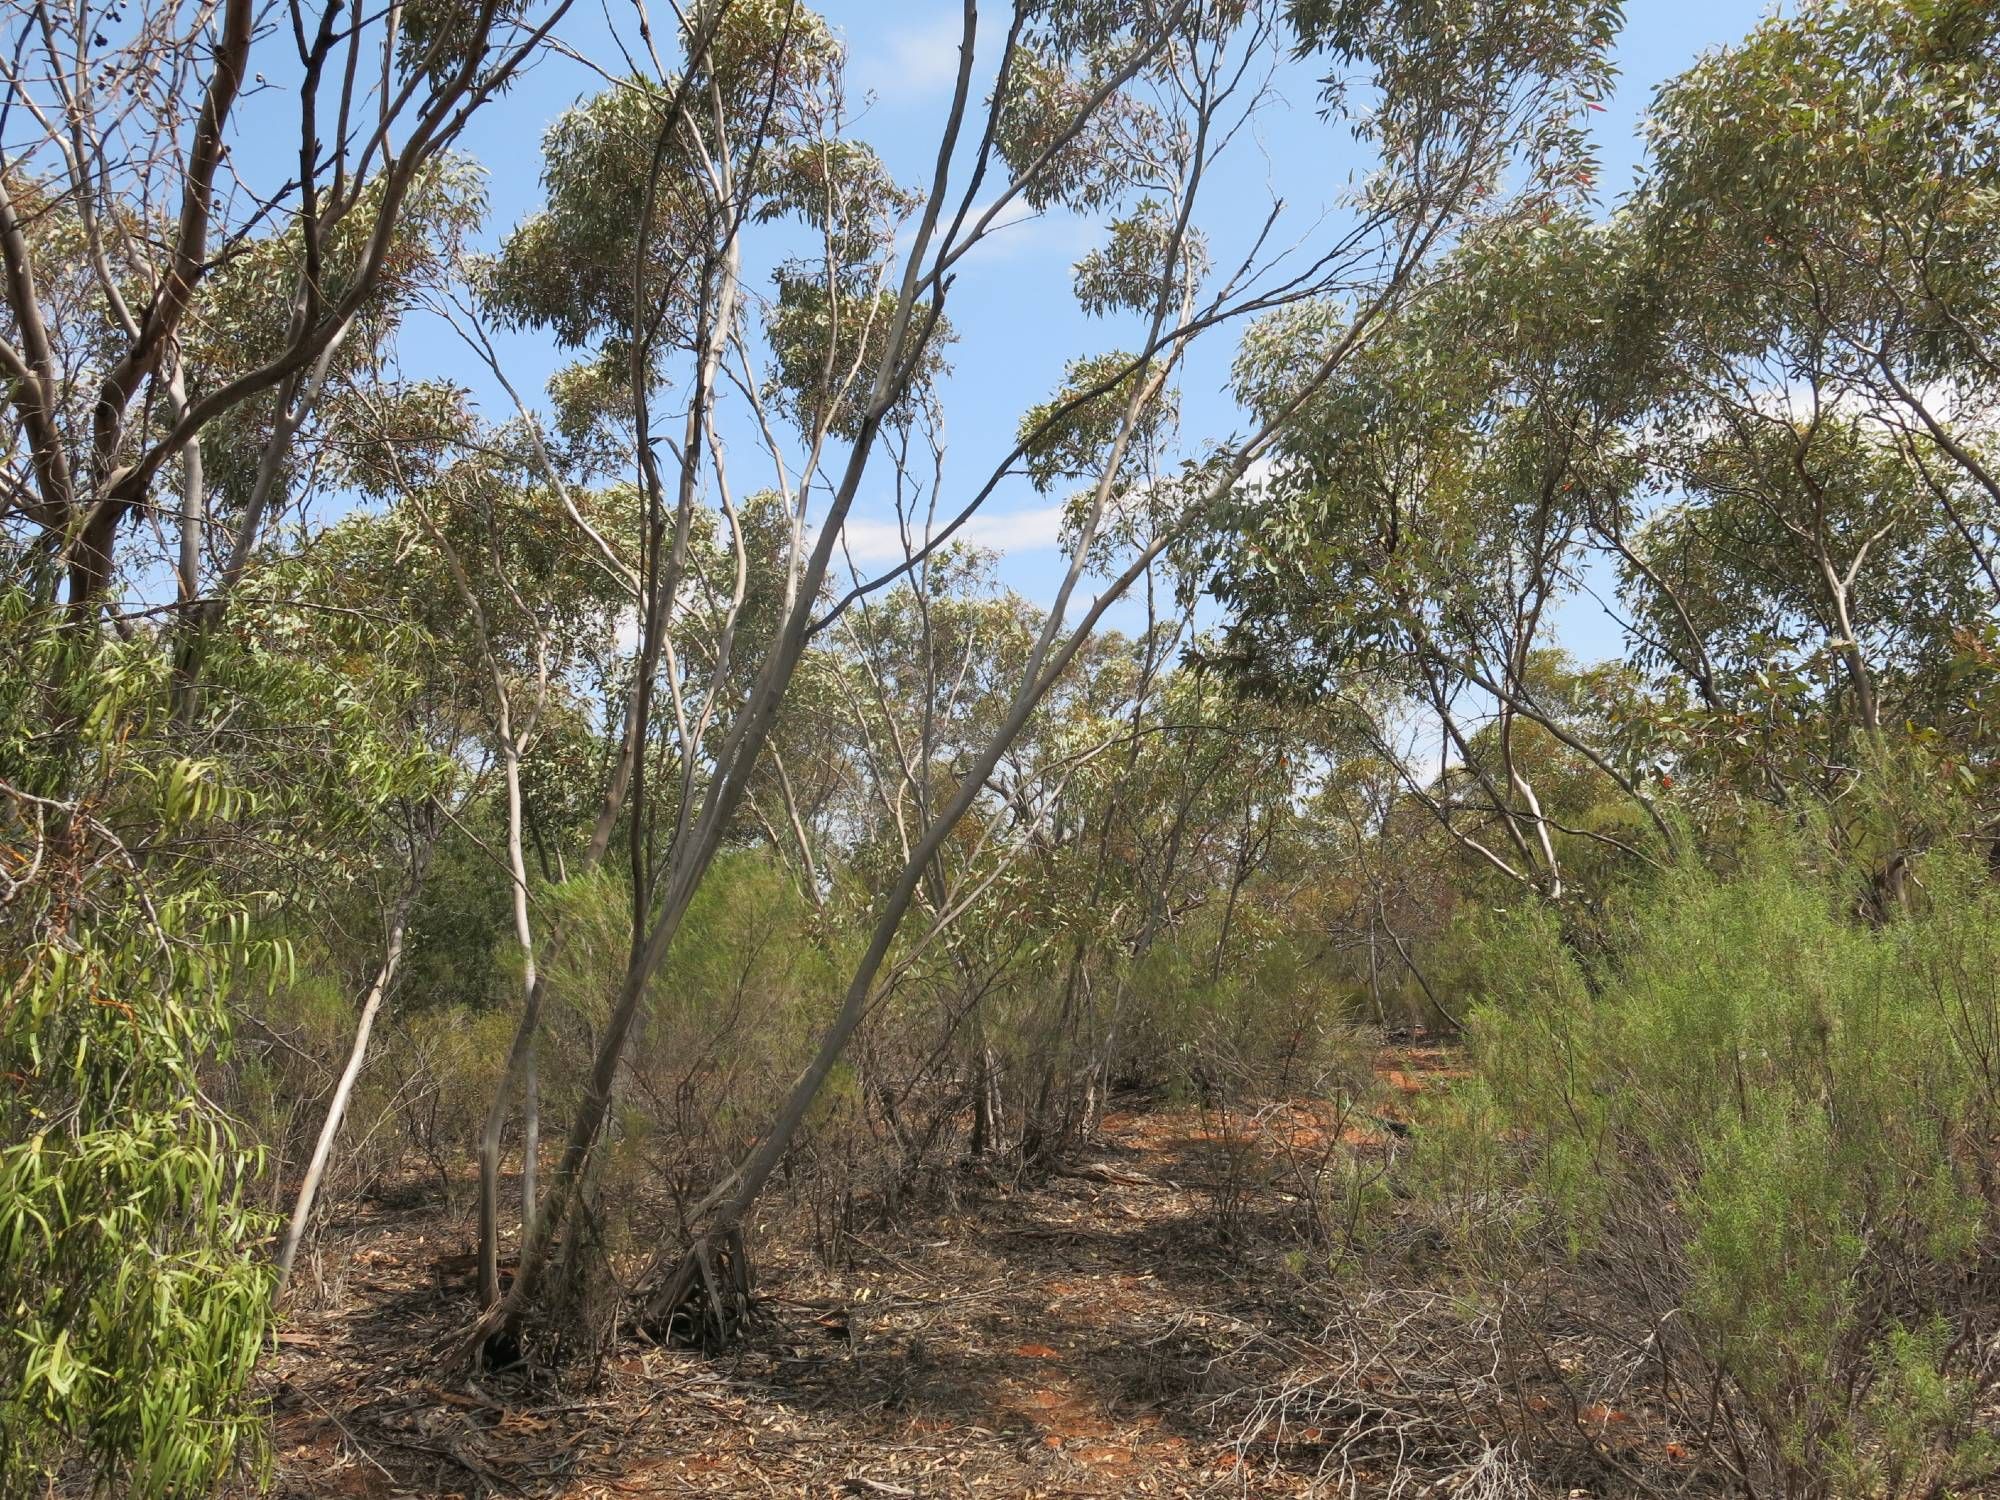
1757 1138
132 1298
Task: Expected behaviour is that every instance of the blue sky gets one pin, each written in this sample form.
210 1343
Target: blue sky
1012 308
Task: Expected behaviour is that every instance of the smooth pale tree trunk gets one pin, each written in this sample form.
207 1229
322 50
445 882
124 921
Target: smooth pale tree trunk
521 1058
1046 664
336 1113
1045 667
695 843
531 1138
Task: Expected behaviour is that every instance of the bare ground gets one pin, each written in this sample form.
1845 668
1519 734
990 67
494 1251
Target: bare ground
1107 1332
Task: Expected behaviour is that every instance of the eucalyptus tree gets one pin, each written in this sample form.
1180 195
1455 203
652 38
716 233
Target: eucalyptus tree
1434 506
1803 547
474 552
1822 196
1175 77
926 666
1814 569
1134 798
209 215
1762 391
197 258
188 347
749 133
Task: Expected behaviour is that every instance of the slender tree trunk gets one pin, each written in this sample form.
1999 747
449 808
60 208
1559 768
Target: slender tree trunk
985 1121
621 776
531 1137
336 1112
520 1060
517 1066
1375 977
1046 664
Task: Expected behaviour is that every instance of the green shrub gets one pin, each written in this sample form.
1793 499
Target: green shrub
1759 1134
133 1299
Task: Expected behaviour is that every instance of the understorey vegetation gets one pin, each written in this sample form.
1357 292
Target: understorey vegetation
551 883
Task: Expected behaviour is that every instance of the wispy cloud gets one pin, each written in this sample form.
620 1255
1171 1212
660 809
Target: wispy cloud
915 59
1015 229
873 542
1018 230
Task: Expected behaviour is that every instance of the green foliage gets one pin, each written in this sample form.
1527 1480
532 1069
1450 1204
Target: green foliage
1838 168
458 927
729 1015
826 346
132 1292
1769 1117
1467 69
632 234
1069 437
1147 257
1454 466
1740 1107
1067 155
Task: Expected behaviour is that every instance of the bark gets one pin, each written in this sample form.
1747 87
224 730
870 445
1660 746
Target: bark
357 1055
520 1060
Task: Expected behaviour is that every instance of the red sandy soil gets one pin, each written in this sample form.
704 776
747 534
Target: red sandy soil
1070 1338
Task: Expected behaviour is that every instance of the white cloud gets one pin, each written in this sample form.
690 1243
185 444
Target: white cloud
874 543
1014 211
1015 230
1031 530
1019 230
916 59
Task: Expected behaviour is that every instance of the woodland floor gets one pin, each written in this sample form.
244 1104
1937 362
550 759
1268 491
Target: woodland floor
1091 1335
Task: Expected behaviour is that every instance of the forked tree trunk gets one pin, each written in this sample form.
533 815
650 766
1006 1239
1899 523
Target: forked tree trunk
336 1111
710 1285
521 1056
